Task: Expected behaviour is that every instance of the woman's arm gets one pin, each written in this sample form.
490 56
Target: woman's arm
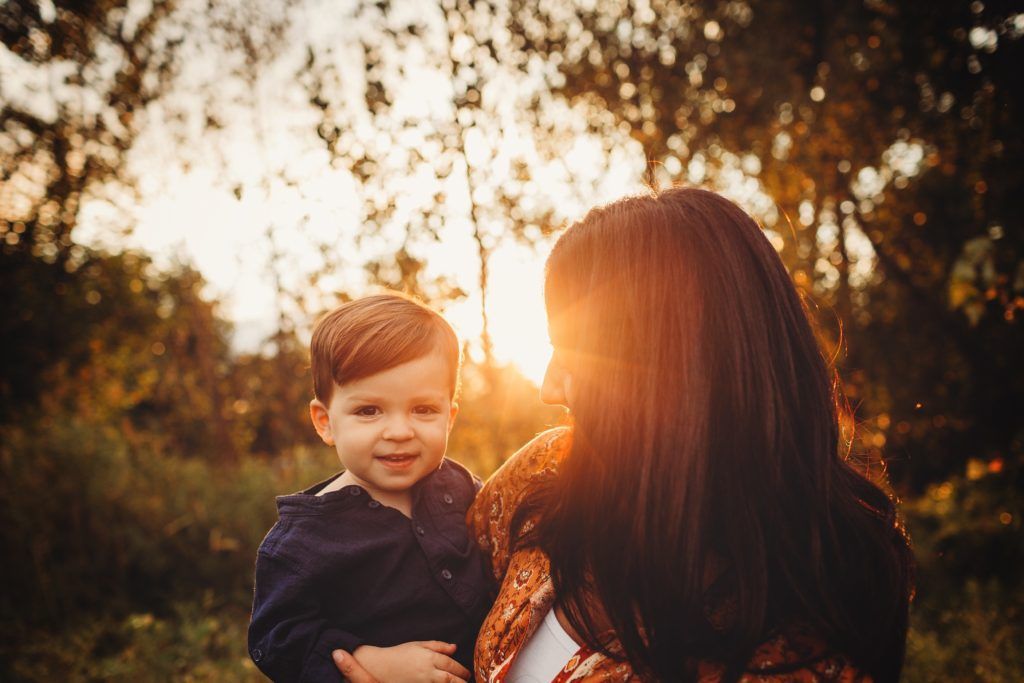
427 661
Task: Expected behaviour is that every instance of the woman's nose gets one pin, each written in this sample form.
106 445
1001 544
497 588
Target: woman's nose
553 388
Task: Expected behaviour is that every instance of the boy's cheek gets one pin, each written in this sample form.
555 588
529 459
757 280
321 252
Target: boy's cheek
350 423
436 434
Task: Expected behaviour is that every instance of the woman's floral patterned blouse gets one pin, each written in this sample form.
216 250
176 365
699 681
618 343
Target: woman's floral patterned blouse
526 593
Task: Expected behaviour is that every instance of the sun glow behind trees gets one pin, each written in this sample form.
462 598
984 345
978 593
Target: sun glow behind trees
308 149
301 170
193 221
298 150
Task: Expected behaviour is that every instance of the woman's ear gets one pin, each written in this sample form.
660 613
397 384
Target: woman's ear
321 419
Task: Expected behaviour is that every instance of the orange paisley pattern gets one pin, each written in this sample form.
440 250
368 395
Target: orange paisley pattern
526 593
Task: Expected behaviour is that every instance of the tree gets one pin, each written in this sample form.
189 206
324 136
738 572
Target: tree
884 133
445 126
81 82
85 71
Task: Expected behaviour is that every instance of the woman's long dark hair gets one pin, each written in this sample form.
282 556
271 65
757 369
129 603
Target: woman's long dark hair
706 451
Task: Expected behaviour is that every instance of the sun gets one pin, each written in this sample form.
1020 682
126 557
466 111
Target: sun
517 317
515 307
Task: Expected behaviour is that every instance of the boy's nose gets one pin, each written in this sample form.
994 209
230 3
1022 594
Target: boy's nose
398 429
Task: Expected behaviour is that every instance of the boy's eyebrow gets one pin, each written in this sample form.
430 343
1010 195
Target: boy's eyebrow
363 397
374 398
430 397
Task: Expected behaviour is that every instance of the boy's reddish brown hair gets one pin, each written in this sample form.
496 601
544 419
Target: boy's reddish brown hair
376 333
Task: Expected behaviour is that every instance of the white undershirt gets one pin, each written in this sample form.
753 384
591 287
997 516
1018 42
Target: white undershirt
544 654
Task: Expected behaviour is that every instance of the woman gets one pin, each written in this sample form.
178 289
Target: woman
698 520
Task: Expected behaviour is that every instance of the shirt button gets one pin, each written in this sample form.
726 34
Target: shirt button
446 575
257 655
448 498
373 504
420 530
354 490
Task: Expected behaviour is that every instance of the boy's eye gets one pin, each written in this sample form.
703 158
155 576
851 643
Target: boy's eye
426 410
367 411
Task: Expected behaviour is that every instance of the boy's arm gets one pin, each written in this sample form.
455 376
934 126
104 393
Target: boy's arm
289 640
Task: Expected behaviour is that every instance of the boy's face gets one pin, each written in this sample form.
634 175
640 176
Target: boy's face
390 429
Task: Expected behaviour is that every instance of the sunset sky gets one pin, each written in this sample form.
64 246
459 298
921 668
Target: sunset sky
227 198
231 173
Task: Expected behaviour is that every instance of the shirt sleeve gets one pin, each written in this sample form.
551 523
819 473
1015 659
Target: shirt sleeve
289 640
490 516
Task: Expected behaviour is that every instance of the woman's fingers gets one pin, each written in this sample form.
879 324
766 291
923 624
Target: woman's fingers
445 677
437 646
447 670
449 665
350 668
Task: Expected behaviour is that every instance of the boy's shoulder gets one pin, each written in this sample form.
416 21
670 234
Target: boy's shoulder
309 524
457 472
451 487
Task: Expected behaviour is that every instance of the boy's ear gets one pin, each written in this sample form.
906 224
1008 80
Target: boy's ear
452 414
321 421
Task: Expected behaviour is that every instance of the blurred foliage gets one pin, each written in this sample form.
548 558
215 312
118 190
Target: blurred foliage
120 531
499 411
477 157
137 563
966 635
103 523
197 642
879 142
64 136
968 616
114 342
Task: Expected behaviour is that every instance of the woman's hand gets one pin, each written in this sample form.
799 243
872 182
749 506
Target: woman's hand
350 669
416 662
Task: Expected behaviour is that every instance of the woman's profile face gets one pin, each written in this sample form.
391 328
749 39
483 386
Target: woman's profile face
557 385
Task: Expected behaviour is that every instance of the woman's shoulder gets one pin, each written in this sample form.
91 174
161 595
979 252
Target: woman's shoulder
540 456
490 516
536 461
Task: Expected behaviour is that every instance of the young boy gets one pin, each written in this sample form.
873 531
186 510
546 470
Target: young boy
376 559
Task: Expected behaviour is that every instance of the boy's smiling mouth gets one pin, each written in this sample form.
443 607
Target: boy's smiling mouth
397 460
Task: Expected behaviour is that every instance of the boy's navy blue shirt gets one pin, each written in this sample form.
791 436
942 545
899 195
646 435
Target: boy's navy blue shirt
342 570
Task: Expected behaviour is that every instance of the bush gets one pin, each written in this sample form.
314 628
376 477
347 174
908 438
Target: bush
107 528
966 621
195 642
135 564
